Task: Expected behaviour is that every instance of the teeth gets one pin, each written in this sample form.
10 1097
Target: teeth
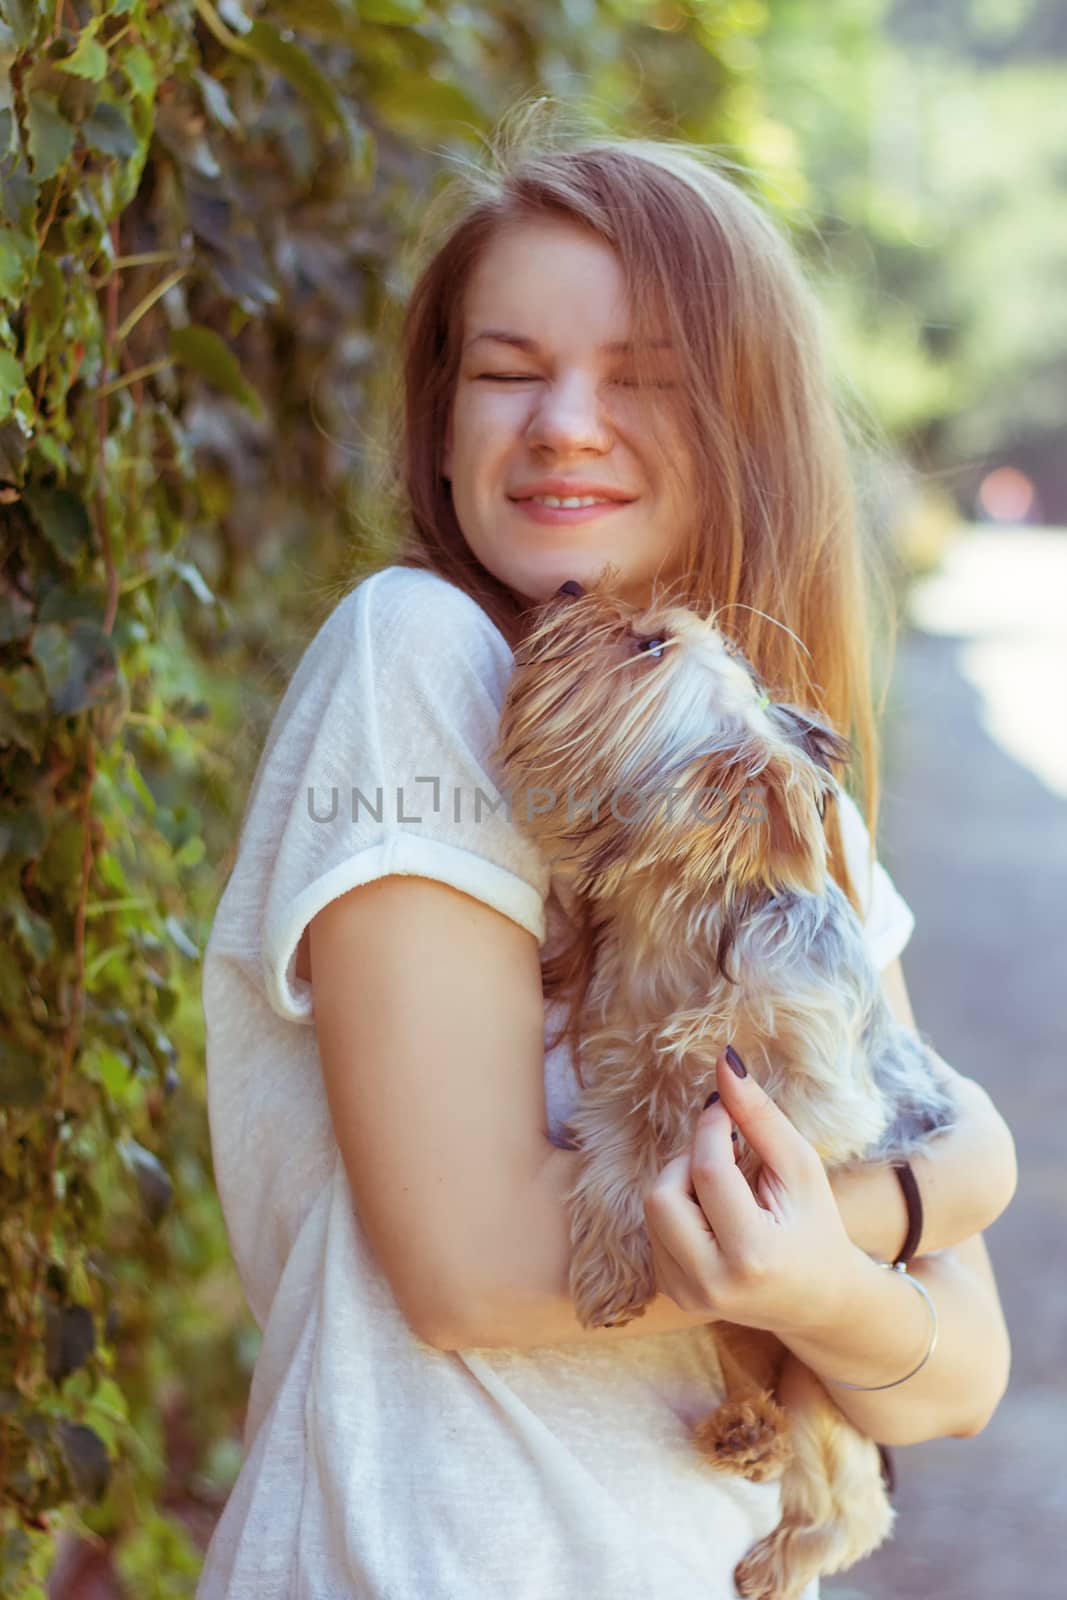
572 500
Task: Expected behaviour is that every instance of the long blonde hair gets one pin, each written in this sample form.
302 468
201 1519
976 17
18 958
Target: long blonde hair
781 549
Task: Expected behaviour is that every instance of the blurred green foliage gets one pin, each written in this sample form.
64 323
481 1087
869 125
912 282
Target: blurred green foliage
203 205
931 144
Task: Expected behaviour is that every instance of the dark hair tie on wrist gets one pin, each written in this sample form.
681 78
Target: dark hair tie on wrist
914 1203
913 1200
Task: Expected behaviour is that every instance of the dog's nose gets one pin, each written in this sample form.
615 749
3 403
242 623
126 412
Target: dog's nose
572 586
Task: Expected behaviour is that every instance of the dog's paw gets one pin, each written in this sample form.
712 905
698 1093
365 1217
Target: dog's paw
747 1436
614 1309
613 1286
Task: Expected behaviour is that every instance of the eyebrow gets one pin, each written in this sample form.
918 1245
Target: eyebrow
521 342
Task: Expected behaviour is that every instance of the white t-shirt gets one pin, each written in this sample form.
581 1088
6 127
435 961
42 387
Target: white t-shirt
377 1467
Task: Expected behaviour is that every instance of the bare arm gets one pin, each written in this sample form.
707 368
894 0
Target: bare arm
532 1303
429 1018
967 1178
882 1329
529 1302
875 1329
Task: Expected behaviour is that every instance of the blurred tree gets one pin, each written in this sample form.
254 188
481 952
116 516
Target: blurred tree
930 140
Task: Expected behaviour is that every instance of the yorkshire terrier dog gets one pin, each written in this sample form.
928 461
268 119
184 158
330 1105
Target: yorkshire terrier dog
640 752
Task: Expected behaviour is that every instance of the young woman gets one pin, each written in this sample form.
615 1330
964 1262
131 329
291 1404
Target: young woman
390 967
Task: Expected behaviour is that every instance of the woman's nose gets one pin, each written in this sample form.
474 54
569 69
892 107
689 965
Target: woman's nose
570 416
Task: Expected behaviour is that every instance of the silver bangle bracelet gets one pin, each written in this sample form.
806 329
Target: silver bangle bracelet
902 1268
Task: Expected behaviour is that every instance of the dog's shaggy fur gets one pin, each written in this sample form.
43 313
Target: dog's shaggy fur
638 749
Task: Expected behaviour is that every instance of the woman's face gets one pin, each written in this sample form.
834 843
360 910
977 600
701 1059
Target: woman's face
552 407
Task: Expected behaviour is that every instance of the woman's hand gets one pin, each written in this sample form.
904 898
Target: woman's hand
778 1258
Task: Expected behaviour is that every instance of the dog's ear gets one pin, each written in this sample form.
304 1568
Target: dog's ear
816 735
817 738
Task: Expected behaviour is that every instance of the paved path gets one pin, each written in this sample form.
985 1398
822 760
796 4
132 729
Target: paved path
975 836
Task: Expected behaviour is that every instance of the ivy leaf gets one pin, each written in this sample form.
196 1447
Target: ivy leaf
62 518
140 68
18 191
12 378
217 102
154 1184
51 135
61 604
108 130
113 1071
191 853
267 44
12 451
111 710
201 348
86 1459
23 690
60 863
78 662
16 616
12 731
108 1411
34 931
21 1080
17 257
46 304
69 1340
88 59
26 21
23 832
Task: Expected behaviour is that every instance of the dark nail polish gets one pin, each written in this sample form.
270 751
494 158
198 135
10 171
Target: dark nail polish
710 1101
735 1061
572 586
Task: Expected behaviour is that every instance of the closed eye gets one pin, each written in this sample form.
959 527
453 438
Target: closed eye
522 377
651 383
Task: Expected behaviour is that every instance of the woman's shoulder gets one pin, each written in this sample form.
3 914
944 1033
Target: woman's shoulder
417 608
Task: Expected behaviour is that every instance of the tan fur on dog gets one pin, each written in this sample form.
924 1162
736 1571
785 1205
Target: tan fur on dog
717 922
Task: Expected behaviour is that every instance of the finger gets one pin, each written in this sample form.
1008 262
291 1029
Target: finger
721 1189
669 1276
673 1177
684 1253
779 1145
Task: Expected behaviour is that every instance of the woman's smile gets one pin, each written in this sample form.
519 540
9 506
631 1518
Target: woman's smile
566 516
549 405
